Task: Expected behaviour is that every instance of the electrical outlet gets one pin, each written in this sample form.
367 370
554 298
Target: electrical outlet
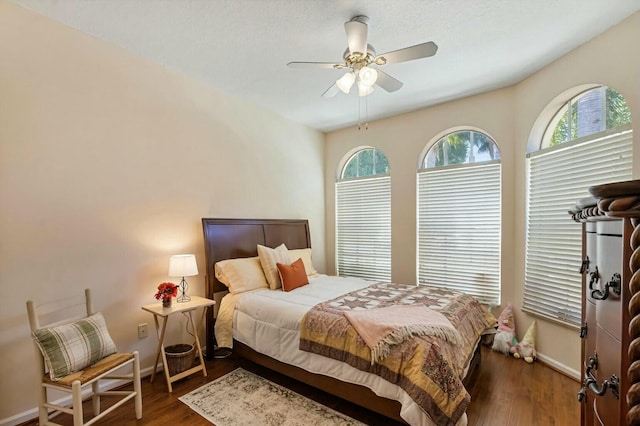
143 330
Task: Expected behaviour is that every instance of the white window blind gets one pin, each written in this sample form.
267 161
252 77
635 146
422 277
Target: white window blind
558 177
363 228
459 229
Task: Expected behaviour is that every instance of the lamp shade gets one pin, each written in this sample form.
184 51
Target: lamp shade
345 82
364 90
368 76
183 265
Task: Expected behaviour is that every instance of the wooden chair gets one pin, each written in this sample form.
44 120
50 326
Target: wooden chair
45 317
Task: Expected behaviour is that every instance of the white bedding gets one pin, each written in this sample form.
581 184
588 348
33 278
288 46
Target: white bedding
268 321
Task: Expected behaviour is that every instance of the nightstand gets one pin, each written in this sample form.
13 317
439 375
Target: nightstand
161 314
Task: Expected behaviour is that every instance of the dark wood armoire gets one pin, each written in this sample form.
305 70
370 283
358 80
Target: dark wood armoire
610 392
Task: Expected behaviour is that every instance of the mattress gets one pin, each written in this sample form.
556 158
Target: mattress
268 321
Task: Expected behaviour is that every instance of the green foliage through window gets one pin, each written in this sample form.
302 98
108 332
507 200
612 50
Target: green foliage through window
462 148
590 112
366 162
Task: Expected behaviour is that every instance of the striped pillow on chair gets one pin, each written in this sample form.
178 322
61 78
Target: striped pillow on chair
74 346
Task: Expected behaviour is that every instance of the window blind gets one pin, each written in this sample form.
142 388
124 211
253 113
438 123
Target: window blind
363 228
558 177
459 229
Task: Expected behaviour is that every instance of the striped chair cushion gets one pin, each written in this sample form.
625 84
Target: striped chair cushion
72 347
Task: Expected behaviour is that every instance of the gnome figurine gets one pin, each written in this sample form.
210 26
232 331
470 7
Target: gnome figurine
526 349
505 338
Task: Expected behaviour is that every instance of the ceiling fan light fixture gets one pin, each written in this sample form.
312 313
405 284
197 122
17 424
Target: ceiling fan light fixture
367 76
345 82
360 61
363 89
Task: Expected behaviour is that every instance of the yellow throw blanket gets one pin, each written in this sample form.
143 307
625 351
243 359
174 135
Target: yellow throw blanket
383 328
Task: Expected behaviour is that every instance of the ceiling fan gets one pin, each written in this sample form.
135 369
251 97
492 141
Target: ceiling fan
359 58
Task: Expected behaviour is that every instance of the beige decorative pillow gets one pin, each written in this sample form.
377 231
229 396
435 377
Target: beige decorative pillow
268 259
305 255
241 275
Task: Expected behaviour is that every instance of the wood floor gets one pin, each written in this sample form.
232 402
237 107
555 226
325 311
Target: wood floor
505 392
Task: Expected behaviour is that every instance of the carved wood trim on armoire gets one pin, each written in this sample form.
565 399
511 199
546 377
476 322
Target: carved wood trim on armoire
610 393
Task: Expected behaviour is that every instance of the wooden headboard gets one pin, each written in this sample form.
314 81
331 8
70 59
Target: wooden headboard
235 238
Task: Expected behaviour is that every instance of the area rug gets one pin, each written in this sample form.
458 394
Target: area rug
243 398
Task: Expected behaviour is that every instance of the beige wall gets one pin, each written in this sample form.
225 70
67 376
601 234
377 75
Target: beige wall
107 165
508 115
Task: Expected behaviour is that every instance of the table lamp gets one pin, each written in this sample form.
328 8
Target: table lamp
183 265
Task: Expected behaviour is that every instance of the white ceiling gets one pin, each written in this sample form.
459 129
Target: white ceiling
242 46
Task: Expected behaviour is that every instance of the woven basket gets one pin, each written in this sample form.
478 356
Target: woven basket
179 358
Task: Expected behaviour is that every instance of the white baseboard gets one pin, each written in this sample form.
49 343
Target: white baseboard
552 363
104 386
20 417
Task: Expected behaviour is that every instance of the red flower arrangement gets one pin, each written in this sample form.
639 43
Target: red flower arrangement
166 291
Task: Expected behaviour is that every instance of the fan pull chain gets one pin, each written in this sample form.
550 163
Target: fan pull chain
366 113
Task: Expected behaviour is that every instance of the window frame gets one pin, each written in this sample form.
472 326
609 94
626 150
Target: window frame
426 260
572 167
370 257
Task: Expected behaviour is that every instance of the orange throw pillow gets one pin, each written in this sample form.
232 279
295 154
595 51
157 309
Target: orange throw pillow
292 276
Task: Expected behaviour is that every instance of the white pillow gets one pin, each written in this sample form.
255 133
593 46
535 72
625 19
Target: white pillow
241 275
305 255
268 259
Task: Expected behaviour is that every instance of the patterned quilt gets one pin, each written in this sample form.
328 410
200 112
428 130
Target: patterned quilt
428 368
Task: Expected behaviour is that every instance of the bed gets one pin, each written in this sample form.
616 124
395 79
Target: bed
238 239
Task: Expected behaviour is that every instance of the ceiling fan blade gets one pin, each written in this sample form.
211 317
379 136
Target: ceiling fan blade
330 65
357 33
331 91
418 51
387 82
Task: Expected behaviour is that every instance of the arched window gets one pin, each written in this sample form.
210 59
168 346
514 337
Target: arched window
459 192
591 112
363 216
587 142
462 147
367 162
